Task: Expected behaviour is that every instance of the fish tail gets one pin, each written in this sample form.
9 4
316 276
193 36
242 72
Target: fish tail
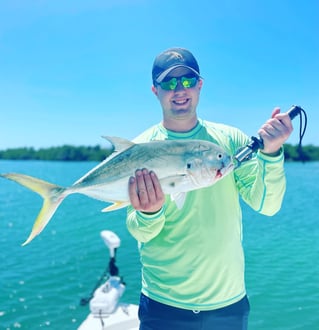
52 195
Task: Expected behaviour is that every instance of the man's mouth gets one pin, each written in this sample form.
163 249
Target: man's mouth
180 101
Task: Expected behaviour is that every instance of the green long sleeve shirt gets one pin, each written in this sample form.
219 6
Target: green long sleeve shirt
192 258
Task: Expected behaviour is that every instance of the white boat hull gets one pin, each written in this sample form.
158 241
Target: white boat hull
124 318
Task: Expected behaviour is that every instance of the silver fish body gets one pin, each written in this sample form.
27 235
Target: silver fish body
180 165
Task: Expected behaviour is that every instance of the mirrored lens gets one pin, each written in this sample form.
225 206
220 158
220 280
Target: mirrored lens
188 82
171 84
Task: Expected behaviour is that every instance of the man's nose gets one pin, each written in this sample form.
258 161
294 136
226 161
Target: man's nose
179 86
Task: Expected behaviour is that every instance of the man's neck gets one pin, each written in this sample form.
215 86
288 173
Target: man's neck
180 125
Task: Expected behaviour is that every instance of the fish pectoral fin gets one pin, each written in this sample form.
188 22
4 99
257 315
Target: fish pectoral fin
179 199
115 206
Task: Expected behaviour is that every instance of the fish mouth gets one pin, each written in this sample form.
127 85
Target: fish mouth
224 170
219 174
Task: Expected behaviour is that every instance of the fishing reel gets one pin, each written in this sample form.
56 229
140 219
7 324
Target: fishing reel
246 152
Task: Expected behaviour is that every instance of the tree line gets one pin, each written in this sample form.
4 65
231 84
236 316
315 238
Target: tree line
96 153
62 153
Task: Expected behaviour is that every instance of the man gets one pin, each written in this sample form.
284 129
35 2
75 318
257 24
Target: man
192 258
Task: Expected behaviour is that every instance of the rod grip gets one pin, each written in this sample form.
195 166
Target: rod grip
294 111
257 143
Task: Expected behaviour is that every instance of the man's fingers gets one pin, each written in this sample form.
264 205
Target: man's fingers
275 112
145 191
159 195
134 199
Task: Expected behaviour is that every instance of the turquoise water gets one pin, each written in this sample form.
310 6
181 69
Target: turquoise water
42 283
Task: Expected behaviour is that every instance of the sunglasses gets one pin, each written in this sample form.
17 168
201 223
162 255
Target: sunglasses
171 84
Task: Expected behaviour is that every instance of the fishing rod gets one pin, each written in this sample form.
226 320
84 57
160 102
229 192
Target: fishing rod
246 152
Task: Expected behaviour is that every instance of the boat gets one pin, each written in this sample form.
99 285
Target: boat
107 312
124 318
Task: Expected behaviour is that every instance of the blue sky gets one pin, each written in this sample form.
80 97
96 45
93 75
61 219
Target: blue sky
72 71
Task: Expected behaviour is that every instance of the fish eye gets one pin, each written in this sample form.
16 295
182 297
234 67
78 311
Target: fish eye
219 156
188 165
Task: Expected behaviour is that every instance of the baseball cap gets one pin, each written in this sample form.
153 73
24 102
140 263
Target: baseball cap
171 59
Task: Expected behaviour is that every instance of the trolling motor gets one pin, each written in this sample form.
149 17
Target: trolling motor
104 299
246 152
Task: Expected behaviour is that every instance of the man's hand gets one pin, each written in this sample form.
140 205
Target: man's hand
275 132
145 191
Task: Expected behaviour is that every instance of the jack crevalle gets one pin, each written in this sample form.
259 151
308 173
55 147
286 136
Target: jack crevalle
181 166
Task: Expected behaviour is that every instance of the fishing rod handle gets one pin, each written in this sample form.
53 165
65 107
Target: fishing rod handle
257 143
294 111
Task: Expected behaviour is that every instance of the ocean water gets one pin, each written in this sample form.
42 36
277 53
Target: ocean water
41 284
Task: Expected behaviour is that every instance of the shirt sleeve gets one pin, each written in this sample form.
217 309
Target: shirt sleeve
143 227
261 182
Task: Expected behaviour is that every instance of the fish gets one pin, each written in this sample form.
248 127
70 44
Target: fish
180 165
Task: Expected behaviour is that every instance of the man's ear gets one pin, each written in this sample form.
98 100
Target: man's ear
200 83
154 90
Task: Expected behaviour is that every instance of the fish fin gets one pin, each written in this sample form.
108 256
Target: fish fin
179 199
115 206
118 143
52 197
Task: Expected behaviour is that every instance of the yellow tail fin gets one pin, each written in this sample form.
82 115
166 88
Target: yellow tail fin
52 195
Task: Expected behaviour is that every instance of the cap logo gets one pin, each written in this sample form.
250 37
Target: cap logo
175 55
